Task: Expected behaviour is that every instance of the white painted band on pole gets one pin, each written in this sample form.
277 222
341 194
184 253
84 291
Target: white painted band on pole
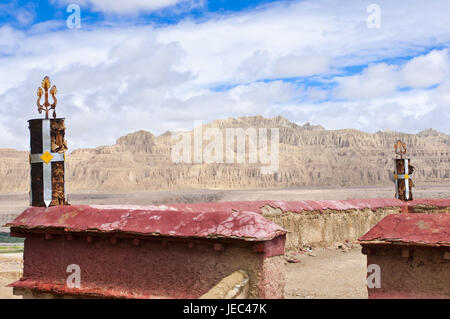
31 187
46 139
64 176
406 180
46 167
396 180
47 181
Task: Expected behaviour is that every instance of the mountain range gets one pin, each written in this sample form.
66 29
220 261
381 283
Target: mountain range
309 155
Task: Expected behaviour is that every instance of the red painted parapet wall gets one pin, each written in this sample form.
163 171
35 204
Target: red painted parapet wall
309 205
412 254
143 252
322 223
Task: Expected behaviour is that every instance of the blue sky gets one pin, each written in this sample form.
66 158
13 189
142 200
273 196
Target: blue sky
42 11
163 64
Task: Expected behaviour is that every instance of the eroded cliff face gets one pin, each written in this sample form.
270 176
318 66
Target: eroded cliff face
14 171
309 155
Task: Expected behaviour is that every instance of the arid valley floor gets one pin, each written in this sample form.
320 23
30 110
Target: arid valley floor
322 273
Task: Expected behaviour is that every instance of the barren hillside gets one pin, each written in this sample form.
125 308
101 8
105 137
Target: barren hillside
309 155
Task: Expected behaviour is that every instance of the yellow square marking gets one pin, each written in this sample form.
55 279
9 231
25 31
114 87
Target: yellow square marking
46 157
406 176
395 176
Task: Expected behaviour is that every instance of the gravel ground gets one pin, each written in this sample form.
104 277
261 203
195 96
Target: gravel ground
10 271
331 273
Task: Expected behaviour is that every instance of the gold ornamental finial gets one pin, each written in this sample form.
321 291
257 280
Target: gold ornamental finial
46 106
400 148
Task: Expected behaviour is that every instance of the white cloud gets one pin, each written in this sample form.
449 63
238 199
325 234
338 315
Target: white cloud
316 94
375 81
381 79
9 39
409 111
299 66
246 46
127 7
426 70
256 65
122 78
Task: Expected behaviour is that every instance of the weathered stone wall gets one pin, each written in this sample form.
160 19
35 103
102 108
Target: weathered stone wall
325 227
187 272
422 273
315 228
131 251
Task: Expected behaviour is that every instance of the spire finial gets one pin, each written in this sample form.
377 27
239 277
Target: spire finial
46 106
400 148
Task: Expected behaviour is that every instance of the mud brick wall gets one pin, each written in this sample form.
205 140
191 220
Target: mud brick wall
146 253
324 228
154 269
423 274
324 222
412 252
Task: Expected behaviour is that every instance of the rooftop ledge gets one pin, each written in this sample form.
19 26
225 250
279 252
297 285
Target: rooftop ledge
240 220
83 292
148 221
296 206
411 229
